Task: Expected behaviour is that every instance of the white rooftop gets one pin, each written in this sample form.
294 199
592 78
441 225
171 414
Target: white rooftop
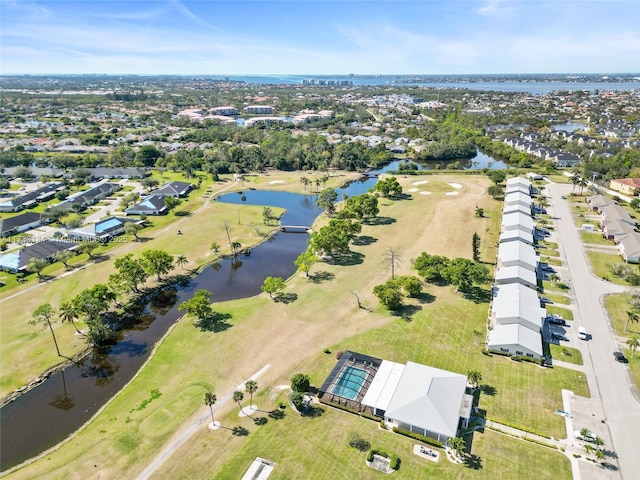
518 181
383 385
513 301
517 196
516 208
516 235
428 398
515 334
517 220
504 274
518 252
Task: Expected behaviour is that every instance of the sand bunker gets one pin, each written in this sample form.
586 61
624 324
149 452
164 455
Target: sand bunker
456 185
451 193
424 192
412 190
421 182
275 181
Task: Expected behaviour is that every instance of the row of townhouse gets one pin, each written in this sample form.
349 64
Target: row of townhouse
516 316
154 203
617 225
32 198
558 158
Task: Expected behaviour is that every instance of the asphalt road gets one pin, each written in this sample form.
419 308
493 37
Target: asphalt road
613 388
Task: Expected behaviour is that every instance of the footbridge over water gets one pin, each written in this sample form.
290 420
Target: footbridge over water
295 229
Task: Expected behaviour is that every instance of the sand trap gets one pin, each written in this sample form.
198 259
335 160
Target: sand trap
456 185
247 411
275 181
421 182
214 425
424 192
283 387
412 190
451 193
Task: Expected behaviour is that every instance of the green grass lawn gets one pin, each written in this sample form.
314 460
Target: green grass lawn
600 263
549 252
558 178
580 209
595 238
618 306
580 221
559 287
634 364
563 312
556 298
556 262
566 354
545 244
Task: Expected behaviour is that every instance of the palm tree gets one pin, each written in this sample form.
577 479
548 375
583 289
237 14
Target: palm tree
477 335
305 183
238 396
575 180
43 314
68 313
215 246
632 317
181 261
633 343
251 386
585 432
235 248
588 448
474 377
210 400
600 455
581 184
543 202
599 442
456 444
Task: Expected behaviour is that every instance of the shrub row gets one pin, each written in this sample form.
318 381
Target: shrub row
417 436
393 458
519 427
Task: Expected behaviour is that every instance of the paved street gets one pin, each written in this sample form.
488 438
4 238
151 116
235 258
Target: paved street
613 399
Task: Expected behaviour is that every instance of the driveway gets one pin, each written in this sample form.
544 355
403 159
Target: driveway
613 404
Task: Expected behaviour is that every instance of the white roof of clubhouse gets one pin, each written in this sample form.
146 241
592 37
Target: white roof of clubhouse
515 334
428 398
515 303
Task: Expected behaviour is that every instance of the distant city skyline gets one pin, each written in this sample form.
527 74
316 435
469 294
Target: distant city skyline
328 37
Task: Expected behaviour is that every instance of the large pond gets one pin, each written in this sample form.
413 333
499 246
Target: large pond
44 416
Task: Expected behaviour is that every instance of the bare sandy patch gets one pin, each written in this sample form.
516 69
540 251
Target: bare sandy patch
456 185
413 190
420 182
451 193
425 192
272 182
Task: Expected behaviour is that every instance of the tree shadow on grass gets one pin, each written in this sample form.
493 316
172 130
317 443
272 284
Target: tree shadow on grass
489 390
239 431
380 221
285 298
349 259
425 297
364 240
217 322
314 411
477 294
277 414
321 276
260 420
407 312
473 462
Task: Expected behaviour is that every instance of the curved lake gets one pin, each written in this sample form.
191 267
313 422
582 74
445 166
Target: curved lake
47 414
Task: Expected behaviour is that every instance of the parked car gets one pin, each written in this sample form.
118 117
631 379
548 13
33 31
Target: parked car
589 437
564 197
557 336
556 319
619 356
582 334
544 300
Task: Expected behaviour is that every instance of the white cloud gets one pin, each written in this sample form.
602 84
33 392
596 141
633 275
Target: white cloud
496 8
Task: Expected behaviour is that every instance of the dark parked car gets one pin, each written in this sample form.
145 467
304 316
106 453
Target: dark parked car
556 320
619 356
557 336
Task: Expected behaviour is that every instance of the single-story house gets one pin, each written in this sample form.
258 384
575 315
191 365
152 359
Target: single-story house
629 247
516 208
18 260
91 196
517 220
516 189
151 205
534 176
597 202
515 339
103 230
520 182
174 189
125 173
517 254
19 223
414 397
31 199
516 236
516 274
519 198
515 303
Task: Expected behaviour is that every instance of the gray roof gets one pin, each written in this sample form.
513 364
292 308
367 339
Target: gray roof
516 274
515 334
11 223
515 303
428 398
517 252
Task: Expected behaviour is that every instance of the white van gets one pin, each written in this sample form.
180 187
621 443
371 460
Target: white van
582 334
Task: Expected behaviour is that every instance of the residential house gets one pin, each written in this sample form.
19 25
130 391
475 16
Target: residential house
151 205
515 303
515 339
517 221
19 223
17 260
103 230
32 198
124 173
628 186
258 109
517 235
516 274
518 254
91 196
174 189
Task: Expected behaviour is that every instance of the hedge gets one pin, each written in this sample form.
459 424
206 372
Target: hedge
417 436
519 427
394 461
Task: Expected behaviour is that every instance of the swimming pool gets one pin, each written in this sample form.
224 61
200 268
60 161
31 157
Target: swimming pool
350 383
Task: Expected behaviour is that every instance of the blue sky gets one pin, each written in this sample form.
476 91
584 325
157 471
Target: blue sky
319 37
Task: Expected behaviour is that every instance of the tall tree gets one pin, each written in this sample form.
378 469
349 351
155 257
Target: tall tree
64 256
632 317
273 285
68 313
131 273
326 200
475 245
131 228
199 305
238 396
392 259
633 343
250 387
93 302
181 261
157 262
43 315
88 247
474 377
36 265
305 261
210 400
456 444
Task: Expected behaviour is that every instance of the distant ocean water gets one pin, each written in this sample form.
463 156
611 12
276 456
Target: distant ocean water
533 87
